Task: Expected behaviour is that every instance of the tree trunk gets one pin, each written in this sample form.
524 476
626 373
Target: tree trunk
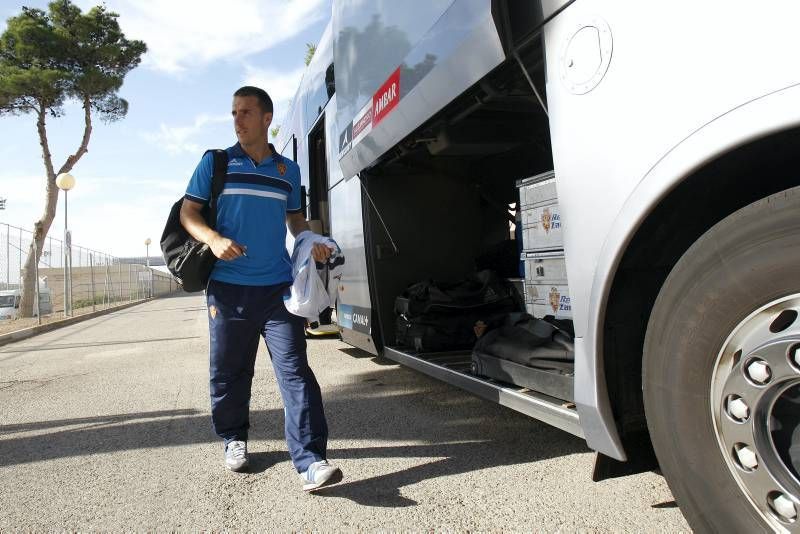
42 226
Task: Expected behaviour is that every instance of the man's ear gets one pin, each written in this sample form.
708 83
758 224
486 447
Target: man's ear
267 119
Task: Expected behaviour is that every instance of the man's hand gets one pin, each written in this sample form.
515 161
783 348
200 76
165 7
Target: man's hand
320 252
226 249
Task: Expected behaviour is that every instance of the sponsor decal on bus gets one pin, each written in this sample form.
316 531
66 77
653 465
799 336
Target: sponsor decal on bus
386 98
374 111
362 123
355 318
346 139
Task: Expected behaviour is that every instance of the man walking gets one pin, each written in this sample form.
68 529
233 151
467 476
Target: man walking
260 198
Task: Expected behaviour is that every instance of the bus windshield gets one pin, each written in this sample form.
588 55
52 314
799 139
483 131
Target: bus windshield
6 301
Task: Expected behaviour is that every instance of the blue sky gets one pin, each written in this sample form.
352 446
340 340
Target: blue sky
200 51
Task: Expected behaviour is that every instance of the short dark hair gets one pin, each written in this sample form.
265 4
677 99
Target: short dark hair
263 98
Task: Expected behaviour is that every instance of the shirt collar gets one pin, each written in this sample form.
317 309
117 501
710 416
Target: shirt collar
238 152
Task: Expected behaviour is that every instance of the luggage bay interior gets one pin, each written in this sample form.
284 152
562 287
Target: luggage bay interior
438 208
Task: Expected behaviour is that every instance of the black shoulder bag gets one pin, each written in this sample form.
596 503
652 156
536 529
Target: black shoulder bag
189 260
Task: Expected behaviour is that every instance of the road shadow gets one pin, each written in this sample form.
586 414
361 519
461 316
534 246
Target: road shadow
384 490
160 310
92 421
60 346
665 505
359 353
460 432
261 461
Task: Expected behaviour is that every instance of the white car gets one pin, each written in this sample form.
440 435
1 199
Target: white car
9 303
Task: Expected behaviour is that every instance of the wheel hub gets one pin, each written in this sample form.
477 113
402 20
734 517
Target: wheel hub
755 404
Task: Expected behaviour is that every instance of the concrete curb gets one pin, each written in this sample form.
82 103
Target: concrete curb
36 330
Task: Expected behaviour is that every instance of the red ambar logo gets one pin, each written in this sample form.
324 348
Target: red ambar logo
386 98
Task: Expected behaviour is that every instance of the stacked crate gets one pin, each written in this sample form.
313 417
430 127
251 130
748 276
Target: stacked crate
546 290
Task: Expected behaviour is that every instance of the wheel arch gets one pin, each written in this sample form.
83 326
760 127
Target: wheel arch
708 176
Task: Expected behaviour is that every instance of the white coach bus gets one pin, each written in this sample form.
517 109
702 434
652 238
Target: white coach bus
650 152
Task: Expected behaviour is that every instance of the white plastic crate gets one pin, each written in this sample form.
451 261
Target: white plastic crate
545 268
541 227
546 299
537 189
546 289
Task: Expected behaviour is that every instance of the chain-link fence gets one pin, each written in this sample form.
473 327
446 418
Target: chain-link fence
94 279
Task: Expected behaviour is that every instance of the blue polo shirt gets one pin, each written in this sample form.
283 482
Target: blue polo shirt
252 210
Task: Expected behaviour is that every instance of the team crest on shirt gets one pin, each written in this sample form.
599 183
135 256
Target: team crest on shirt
282 168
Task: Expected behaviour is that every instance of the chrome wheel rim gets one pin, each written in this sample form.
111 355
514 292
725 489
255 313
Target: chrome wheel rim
757 369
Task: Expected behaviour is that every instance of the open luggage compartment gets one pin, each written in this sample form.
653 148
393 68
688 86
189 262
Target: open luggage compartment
438 208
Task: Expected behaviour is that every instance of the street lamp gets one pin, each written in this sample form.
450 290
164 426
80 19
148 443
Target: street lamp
149 273
65 182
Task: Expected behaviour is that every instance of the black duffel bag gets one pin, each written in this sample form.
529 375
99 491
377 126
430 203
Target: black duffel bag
433 317
189 260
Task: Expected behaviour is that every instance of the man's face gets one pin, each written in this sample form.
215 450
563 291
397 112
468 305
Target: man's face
249 120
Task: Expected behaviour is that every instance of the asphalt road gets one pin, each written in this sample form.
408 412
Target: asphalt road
105 425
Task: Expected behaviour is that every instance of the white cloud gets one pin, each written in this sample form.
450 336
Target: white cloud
180 139
182 34
98 217
125 225
25 198
281 87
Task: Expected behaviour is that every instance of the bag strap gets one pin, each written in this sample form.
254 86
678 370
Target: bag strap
217 183
220 171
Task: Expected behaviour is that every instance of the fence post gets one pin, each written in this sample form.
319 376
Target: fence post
19 272
8 256
36 286
94 291
106 289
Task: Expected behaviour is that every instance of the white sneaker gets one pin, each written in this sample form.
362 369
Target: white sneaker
236 455
320 474
323 330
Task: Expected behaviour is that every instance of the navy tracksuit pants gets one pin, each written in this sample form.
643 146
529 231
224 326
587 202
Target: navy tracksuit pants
237 316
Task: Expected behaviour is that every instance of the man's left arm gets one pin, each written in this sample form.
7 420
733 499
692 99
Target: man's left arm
298 224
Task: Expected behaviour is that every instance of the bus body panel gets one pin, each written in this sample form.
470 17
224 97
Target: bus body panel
316 96
771 113
434 68
607 140
626 143
353 308
307 105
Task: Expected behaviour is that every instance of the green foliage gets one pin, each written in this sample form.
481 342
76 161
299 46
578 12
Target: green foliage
310 49
47 58
274 131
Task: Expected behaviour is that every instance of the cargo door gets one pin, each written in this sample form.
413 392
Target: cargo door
354 307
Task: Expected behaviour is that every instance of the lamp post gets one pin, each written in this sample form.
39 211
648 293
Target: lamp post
65 182
149 273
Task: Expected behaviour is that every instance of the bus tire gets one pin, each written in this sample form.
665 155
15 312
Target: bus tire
728 292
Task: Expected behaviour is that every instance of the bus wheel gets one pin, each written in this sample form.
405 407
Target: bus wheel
721 372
